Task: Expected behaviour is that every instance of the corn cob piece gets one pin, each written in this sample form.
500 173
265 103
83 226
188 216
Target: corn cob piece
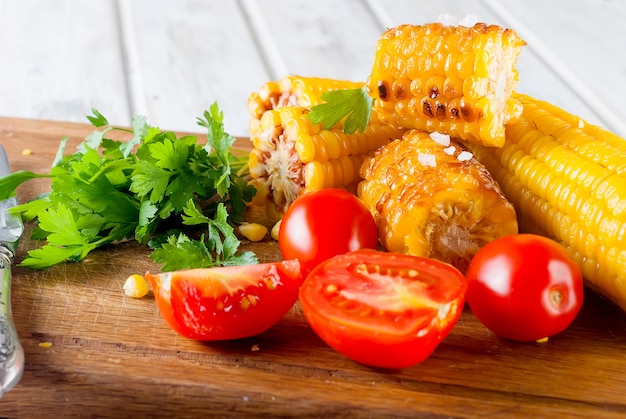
455 80
430 197
567 180
292 155
292 91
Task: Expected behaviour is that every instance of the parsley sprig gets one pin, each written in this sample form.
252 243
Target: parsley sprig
355 105
154 185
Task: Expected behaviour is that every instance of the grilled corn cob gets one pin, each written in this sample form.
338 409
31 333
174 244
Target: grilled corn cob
292 155
431 198
567 180
451 79
292 91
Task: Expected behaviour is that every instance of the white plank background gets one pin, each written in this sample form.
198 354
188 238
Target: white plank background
170 59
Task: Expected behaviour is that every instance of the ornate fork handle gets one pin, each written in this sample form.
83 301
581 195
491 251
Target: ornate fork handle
11 351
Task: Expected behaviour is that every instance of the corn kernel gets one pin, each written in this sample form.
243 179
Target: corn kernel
136 286
275 230
253 231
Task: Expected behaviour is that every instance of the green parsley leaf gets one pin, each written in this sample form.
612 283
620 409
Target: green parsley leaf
111 190
97 120
180 252
67 239
140 129
218 248
10 182
355 105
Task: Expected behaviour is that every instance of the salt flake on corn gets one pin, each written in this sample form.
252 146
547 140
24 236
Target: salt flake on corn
443 139
464 156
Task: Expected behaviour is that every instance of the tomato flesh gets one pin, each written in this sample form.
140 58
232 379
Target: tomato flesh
382 309
524 287
321 224
227 302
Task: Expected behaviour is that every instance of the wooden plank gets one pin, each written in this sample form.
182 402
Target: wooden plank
60 59
90 350
192 53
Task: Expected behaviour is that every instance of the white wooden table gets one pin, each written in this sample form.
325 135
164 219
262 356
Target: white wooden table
170 59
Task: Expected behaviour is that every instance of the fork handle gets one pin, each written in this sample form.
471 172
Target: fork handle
11 351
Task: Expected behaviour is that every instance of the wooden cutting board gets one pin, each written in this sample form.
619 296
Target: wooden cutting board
92 351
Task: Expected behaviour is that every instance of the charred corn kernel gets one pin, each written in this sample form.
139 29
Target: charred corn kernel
253 231
430 199
295 156
452 79
292 91
136 286
275 230
567 180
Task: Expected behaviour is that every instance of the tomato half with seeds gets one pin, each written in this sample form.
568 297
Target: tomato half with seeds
524 287
382 309
226 303
321 224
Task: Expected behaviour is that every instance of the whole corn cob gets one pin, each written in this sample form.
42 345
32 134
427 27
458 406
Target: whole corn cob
430 197
292 155
292 91
451 79
567 180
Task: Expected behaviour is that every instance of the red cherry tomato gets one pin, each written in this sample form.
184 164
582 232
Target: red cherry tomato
382 309
524 287
321 224
227 302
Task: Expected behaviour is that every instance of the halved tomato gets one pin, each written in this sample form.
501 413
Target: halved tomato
227 302
383 309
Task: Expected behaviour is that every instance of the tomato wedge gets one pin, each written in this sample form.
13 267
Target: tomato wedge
382 309
226 303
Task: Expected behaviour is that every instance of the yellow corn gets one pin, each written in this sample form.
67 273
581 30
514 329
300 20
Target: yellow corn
451 79
292 91
275 230
253 231
567 179
136 286
292 155
431 198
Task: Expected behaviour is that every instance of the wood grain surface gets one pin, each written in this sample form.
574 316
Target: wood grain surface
93 352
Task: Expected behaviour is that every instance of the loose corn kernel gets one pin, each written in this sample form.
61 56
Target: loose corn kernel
276 230
136 286
542 340
27 152
253 231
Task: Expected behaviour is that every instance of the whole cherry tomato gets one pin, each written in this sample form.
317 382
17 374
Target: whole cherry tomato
524 287
383 309
321 224
227 302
